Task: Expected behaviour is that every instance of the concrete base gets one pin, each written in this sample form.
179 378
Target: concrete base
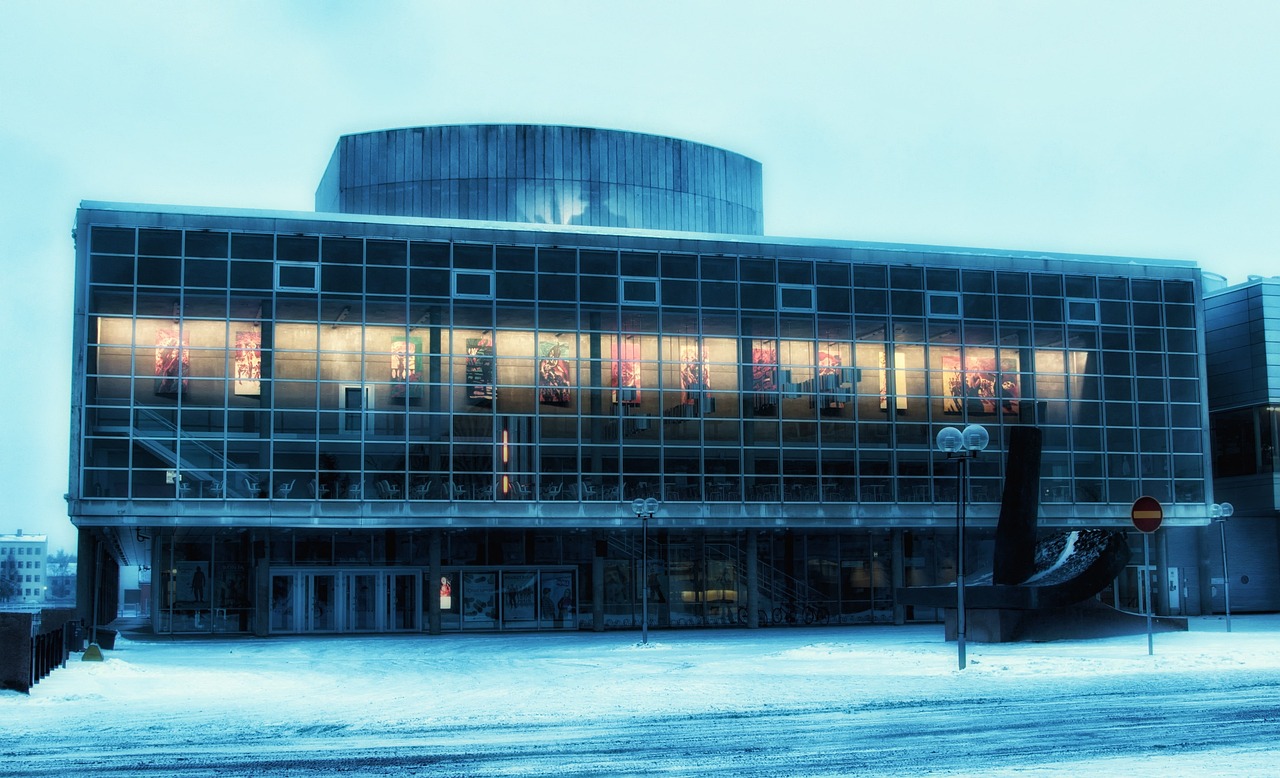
1088 619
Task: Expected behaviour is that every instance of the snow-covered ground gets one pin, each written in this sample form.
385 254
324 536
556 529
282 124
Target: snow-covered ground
830 701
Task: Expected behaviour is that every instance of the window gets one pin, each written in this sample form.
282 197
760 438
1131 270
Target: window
1083 311
297 276
639 291
944 304
795 298
356 402
471 283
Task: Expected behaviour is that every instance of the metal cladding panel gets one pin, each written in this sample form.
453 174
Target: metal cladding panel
1242 345
552 174
1252 549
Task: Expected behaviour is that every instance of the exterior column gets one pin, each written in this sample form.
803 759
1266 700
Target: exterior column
753 579
261 584
86 572
156 591
597 585
897 576
433 580
1165 597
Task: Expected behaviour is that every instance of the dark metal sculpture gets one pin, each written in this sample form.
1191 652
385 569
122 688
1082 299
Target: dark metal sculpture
1030 576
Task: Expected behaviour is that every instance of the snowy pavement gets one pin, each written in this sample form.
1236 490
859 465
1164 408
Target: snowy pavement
776 702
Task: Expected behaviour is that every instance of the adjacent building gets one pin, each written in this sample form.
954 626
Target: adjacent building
23 569
430 404
1243 340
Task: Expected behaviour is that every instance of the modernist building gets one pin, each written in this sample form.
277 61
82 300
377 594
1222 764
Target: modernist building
23 569
429 404
1243 340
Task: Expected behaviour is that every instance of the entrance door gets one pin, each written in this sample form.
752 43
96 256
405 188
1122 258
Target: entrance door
402 601
362 600
1175 598
321 613
282 605
1135 589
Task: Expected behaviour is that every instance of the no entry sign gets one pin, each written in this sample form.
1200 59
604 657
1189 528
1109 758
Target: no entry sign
1147 514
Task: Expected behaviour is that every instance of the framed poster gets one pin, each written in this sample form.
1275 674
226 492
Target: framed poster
173 362
406 368
626 372
695 379
446 592
247 367
193 584
518 596
556 606
479 600
480 388
553 373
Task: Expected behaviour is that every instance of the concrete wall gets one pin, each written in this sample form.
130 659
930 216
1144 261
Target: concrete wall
15 651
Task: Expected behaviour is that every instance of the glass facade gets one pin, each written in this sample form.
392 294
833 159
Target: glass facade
232 364
294 407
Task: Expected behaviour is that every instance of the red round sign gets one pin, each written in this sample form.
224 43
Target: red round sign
1147 514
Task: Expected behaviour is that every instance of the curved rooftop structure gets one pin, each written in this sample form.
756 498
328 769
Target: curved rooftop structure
544 174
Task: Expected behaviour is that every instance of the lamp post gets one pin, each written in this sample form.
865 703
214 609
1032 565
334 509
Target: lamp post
644 510
1220 512
961 446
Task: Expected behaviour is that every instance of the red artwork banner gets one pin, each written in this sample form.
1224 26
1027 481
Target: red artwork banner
764 368
553 373
480 382
695 379
977 384
626 372
248 363
173 362
406 368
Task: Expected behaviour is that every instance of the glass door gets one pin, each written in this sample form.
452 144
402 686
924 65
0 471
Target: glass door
362 599
356 400
402 601
283 590
322 598
881 577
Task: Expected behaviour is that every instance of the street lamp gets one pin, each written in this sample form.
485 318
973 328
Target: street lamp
644 510
961 446
1220 512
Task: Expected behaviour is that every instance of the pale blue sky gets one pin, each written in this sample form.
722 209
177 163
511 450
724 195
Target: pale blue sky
1123 128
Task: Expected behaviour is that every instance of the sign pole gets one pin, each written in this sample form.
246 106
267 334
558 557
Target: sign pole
1146 570
1147 513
